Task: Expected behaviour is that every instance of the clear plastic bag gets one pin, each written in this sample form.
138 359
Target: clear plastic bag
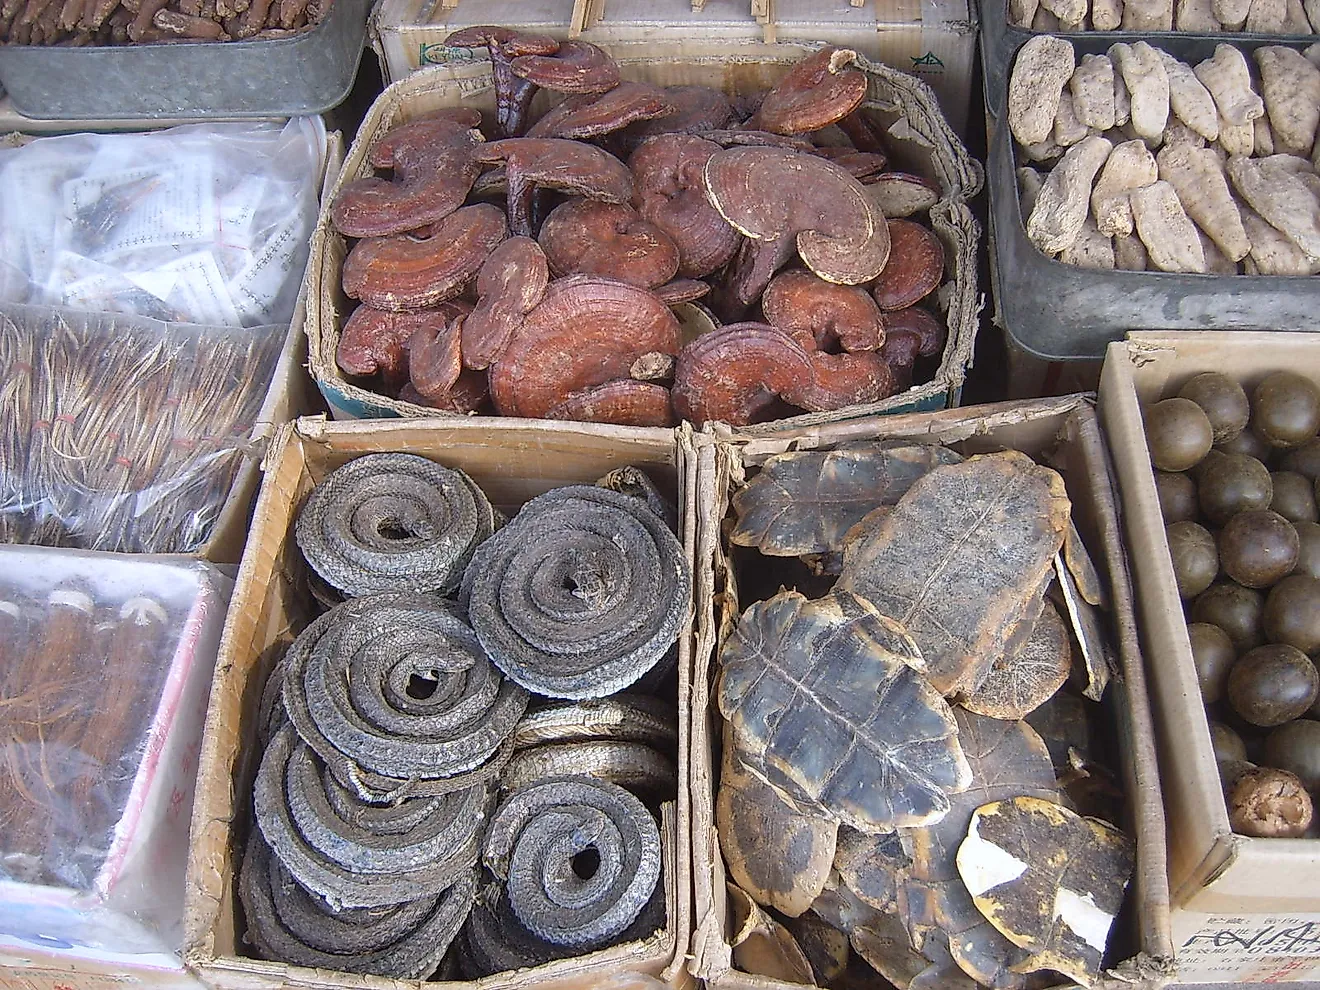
122 433
105 666
206 223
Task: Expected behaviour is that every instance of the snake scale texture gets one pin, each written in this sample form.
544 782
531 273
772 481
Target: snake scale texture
393 522
580 594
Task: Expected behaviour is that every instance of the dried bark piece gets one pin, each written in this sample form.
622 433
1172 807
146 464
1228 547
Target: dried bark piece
393 522
353 854
406 271
669 176
1290 85
780 857
513 95
1043 67
534 836
736 372
901 194
1049 880
372 341
1020 683
1228 78
817 92
586 331
287 924
1092 88
805 501
1197 177
512 280
575 67
623 402
581 594
1061 206
554 163
1166 230
1282 200
820 314
954 579
1147 83
915 267
583 117
582 236
1008 760
815 205
347 681
184 26
829 704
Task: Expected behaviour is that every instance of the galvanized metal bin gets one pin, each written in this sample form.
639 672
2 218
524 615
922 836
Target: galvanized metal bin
308 73
1061 312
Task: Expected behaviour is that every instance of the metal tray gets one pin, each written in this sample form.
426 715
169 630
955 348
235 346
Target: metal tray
308 73
1000 42
1061 312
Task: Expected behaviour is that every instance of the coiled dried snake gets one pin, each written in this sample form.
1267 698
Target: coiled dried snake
393 522
396 695
581 594
536 835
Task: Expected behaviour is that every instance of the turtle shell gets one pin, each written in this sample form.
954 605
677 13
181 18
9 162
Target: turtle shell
825 947
804 502
883 943
1008 759
1049 880
1082 568
761 945
1084 619
779 857
828 704
1064 723
959 558
1018 685
873 866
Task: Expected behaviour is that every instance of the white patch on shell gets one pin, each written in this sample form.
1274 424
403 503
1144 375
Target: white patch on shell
142 610
11 609
72 599
984 865
1080 913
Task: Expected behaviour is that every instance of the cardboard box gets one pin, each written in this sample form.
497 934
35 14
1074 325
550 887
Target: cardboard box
512 461
931 149
934 41
1033 427
1245 909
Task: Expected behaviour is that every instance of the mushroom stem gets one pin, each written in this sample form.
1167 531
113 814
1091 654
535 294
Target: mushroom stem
513 96
755 265
519 194
861 133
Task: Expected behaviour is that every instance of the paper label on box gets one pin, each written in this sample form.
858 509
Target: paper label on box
1252 948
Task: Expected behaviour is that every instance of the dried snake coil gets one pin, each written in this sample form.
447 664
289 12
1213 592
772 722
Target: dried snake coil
405 941
395 694
580 594
394 522
355 854
533 840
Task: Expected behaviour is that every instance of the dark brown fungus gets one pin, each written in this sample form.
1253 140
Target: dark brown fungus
757 139
863 131
900 194
840 380
609 239
586 331
864 166
737 372
670 191
404 271
817 92
577 67
623 402
433 173
821 315
910 334
511 282
470 394
372 341
554 163
749 273
696 109
513 94
915 267
681 291
771 194
590 116
434 359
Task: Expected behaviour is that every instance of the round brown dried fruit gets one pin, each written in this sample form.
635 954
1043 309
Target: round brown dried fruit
1214 656
1269 804
1178 434
1195 559
1223 401
1272 684
1258 548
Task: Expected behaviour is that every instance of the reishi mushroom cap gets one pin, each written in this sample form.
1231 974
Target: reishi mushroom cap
576 67
769 193
589 116
554 163
610 239
511 282
670 191
406 271
438 129
817 92
372 340
840 380
696 109
434 358
736 372
586 331
915 267
901 194
623 402
817 314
